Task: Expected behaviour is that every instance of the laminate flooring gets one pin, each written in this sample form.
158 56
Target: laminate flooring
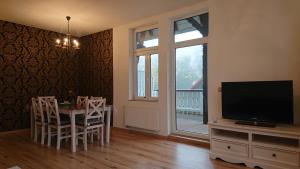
126 150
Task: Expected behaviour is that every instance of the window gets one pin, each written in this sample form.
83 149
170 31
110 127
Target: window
141 75
154 75
195 27
146 39
146 64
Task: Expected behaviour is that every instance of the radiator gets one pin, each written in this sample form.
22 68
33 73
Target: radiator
142 118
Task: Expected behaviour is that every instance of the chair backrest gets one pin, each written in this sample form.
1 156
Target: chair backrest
95 110
52 111
95 98
98 98
42 106
81 101
35 107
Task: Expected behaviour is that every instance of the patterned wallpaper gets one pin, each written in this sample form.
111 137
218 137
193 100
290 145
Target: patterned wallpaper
96 65
31 65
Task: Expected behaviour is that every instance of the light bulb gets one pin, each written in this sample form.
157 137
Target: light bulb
66 39
57 41
75 42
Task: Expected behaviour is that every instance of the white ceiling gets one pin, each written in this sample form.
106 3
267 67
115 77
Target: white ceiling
88 16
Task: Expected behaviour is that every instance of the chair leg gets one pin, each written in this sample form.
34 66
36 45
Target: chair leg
92 136
35 132
102 136
49 136
43 135
85 139
66 133
76 136
98 134
58 138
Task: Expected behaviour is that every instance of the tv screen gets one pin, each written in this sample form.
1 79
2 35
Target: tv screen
264 101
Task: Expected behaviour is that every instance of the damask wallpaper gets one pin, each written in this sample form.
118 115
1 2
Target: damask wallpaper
31 65
96 65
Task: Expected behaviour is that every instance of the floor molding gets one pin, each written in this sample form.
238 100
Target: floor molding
190 140
14 131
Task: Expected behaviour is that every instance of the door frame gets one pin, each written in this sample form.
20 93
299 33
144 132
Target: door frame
172 74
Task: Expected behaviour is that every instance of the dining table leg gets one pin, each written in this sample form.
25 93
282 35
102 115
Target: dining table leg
31 123
108 124
73 132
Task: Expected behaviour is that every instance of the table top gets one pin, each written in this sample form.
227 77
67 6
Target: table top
79 110
72 110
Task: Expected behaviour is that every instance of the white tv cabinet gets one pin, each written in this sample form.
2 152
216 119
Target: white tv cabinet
268 148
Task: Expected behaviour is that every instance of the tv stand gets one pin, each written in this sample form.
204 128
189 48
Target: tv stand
256 123
267 148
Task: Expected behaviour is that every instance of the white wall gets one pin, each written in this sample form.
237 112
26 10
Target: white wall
248 40
253 40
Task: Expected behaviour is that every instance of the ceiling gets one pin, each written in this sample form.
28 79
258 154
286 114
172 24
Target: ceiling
88 16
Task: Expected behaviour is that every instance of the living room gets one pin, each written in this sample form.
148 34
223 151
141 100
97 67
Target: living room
160 70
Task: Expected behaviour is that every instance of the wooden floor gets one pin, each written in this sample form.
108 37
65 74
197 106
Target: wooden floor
126 150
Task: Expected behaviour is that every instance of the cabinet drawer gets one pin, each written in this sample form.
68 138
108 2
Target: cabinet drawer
281 156
227 147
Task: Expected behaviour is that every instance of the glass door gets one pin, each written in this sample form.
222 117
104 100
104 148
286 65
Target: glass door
190 61
190 93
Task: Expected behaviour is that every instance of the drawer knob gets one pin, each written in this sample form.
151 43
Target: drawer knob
228 147
273 155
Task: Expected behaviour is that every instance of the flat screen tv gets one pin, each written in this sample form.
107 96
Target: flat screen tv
258 101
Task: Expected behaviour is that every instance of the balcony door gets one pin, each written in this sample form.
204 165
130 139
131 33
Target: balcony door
190 91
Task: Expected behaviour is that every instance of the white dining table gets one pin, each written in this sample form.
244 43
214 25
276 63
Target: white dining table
72 112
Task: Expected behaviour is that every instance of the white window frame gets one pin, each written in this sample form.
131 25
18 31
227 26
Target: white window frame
147 52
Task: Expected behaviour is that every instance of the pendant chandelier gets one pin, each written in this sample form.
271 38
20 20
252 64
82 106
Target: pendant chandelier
67 42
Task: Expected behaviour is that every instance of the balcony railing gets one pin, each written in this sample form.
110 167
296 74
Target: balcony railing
189 101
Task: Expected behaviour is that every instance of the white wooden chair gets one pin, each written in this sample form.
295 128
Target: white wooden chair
37 117
93 119
95 131
60 122
41 119
81 101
